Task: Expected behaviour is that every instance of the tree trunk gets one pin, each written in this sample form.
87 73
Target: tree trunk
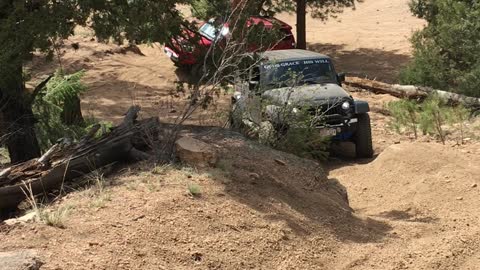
72 113
18 119
301 24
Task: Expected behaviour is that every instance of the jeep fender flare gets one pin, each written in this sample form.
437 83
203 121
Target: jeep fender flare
361 107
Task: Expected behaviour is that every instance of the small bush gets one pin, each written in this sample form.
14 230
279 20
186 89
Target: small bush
194 190
54 218
431 117
405 115
162 169
57 109
305 142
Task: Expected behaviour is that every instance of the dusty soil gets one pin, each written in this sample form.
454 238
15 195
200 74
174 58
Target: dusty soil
370 41
414 206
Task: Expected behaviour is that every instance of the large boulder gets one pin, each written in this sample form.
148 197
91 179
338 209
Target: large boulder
195 152
20 260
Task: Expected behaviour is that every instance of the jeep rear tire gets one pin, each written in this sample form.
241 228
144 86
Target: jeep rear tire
363 137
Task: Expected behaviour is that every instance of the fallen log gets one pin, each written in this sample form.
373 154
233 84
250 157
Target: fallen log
412 91
66 161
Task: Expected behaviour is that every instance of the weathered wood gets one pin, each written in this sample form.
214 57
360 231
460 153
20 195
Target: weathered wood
411 91
68 161
45 159
5 172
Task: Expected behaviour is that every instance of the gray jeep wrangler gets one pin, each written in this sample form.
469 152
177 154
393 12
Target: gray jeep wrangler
301 81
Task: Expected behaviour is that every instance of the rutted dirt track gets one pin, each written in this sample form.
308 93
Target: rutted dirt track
415 205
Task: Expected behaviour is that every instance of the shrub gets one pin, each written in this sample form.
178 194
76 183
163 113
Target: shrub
446 52
55 218
305 142
405 115
431 117
194 190
57 109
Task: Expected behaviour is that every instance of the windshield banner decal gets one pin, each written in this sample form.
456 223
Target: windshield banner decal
295 63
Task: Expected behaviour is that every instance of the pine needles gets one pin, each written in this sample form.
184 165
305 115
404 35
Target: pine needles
57 109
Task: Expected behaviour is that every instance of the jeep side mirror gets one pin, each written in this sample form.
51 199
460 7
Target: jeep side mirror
341 77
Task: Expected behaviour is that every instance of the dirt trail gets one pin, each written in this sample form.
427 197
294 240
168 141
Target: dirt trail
428 193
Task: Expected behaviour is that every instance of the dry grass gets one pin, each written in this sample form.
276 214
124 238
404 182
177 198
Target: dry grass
55 218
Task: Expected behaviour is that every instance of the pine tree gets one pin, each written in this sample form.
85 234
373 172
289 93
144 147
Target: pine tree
35 25
447 51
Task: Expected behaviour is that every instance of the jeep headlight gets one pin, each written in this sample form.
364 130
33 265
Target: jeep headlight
237 95
346 105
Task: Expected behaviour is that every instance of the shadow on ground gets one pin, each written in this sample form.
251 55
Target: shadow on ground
408 216
290 189
372 63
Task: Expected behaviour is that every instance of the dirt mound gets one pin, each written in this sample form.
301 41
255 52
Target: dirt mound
259 209
428 193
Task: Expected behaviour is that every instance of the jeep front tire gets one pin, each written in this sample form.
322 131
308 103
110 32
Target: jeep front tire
363 137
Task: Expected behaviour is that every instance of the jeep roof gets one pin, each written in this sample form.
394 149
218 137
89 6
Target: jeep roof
292 54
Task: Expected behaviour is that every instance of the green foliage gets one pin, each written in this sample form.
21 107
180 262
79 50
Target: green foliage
405 115
297 133
305 142
194 190
64 89
207 9
321 9
447 51
61 92
432 117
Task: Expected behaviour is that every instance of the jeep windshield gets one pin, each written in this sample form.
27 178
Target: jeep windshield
209 31
297 72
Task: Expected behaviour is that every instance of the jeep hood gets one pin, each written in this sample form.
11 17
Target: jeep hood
309 95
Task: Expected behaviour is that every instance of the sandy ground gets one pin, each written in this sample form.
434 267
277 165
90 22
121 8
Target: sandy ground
370 41
415 205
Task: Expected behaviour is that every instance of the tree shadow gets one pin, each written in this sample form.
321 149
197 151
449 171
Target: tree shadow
372 63
407 215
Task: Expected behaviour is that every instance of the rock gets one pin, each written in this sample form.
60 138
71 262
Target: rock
281 162
195 152
474 185
20 260
459 198
254 175
30 217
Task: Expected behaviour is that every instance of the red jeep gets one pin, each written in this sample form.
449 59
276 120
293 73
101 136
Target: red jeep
183 52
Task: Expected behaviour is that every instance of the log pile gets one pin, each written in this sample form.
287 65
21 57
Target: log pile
66 160
412 91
